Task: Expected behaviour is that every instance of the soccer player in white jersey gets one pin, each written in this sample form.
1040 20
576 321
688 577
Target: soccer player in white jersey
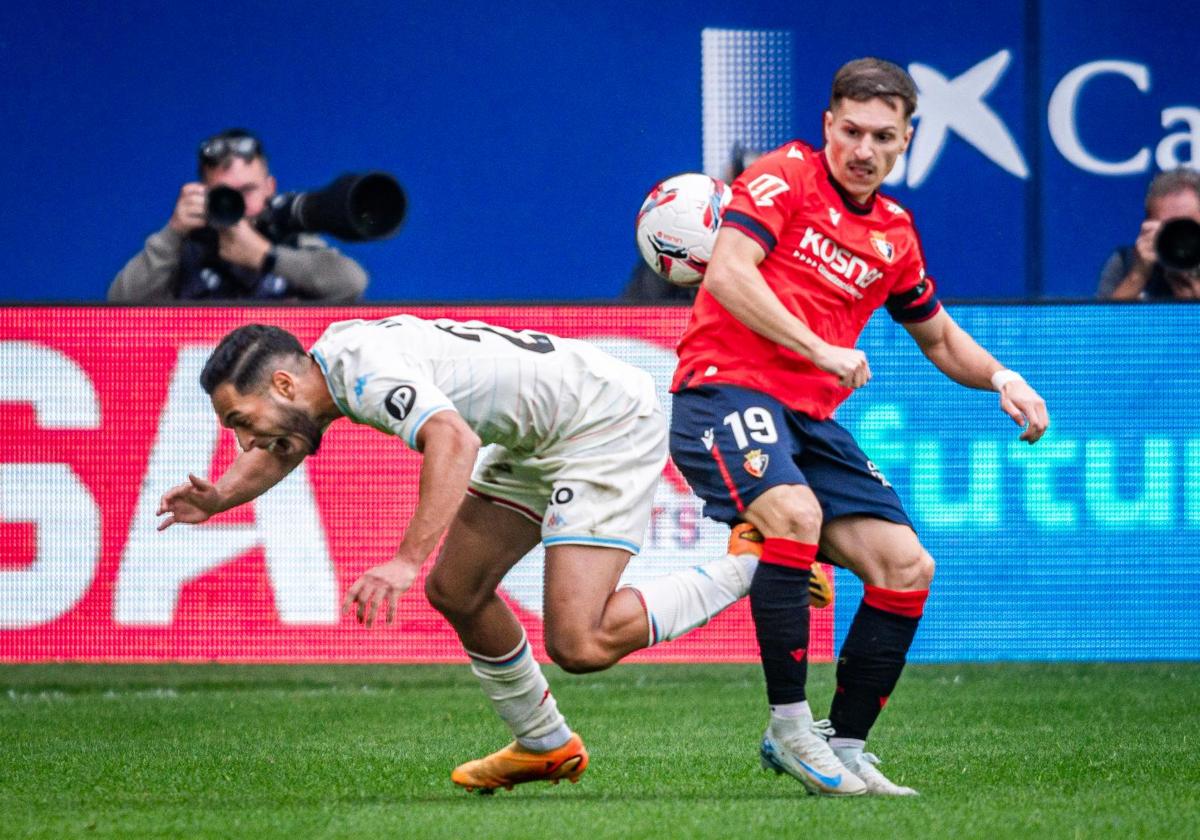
579 443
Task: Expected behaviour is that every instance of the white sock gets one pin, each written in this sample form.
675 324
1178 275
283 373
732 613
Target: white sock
685 600
790 718
847 747
521 696
786 717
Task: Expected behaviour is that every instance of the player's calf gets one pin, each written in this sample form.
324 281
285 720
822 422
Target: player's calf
747 541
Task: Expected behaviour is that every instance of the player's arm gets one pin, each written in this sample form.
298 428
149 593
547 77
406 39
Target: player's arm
961 358
734 280
250 475
449 447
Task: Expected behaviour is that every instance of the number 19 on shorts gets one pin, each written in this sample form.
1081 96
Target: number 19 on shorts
754 424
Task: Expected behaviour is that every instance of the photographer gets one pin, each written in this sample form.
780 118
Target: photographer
191 259
1145 270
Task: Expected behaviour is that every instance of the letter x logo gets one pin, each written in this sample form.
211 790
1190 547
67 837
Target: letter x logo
956 105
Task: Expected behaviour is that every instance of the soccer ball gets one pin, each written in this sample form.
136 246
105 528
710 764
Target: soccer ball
677 226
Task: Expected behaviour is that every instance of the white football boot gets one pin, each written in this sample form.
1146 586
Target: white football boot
863 765
793 747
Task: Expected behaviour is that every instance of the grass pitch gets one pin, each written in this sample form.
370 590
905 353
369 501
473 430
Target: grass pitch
365 751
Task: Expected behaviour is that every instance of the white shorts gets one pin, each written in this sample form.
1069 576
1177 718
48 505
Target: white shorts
597 489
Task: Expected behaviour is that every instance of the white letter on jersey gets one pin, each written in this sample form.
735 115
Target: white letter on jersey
156 565
49 495
764 187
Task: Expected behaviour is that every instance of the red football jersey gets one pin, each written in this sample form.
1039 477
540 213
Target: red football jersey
832 262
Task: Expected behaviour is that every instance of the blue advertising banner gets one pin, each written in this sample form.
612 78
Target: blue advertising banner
1083 546
527 136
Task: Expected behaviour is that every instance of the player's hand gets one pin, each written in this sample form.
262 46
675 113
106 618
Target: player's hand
848 364
378 591
1026 407
1144 247
193 502
189 209
243 245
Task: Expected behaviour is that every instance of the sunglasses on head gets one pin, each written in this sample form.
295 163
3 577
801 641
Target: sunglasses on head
217 149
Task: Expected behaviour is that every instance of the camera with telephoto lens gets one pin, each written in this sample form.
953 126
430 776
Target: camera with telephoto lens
1177 245
354 207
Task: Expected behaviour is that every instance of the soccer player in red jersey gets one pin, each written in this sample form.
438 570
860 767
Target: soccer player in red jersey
808 250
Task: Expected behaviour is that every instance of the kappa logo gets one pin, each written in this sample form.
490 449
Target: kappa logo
881 245
756 462
399 401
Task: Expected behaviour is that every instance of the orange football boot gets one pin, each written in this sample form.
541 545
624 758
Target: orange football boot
746 539
516 765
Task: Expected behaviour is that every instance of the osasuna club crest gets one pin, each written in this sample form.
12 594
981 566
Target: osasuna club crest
756 462
881 245
400 401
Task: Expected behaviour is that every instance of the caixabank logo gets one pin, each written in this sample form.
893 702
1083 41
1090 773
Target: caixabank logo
956 110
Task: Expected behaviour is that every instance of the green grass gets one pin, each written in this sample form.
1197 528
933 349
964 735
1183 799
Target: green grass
237 751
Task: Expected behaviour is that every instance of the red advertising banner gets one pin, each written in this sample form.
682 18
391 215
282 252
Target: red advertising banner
103 412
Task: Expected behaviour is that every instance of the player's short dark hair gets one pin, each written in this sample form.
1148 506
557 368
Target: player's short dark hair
865 79
246 356
1170 182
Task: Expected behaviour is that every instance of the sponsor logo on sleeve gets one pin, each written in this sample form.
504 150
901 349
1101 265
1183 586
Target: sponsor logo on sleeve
765 187
399 401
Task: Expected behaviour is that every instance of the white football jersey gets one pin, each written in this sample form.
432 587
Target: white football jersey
523 390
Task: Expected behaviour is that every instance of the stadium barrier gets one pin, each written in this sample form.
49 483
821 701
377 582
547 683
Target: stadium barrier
1082 547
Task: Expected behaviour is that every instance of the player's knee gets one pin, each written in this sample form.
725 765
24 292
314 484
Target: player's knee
449 600
925 569
912 570
579 656
437 595
793 517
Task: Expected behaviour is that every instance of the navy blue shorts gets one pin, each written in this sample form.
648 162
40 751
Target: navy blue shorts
733 444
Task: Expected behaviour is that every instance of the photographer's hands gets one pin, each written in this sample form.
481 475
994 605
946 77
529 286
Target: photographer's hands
1145 243
1144 258
189 209
243 245
240 244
